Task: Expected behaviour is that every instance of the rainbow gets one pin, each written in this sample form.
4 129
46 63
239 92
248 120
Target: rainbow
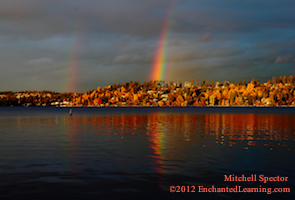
72 65
159 63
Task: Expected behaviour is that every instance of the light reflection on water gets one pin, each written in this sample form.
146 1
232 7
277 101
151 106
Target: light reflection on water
156 148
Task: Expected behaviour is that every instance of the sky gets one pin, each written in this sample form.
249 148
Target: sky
79 45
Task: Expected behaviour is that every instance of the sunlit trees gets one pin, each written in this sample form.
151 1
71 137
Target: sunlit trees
275 92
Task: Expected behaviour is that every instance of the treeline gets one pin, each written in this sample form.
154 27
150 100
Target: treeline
279 91
33 98
276 92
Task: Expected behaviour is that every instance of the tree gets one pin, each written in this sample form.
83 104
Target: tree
202 83
284 79
290 79
225 83
257 82
273 80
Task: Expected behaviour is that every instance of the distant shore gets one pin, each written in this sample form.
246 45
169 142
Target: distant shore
278 92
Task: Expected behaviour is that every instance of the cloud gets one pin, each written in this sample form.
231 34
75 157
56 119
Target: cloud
124 43
40 61
122 59
206 37
37 20
288 58
131 59
118 39
192 52
224 38
174 43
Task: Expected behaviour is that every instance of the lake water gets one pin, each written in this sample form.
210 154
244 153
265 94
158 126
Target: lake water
138 153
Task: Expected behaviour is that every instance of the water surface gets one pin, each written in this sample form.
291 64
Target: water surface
109 153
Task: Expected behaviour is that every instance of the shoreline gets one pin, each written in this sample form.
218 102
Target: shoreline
79 111
127 106
210 106
278 93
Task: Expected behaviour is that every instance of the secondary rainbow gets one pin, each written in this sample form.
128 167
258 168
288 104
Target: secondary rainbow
72 64
160 61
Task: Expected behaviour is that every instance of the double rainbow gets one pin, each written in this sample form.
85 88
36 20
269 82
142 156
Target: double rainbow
72 66
159 70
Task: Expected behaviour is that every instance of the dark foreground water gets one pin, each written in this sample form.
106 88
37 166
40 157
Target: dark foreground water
139 153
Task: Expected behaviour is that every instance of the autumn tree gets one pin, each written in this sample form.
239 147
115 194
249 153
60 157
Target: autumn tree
273 80
202 83
291 79
284 79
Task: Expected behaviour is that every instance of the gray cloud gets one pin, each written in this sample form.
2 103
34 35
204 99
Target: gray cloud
192 52
42 19
224 38
40 61
111 41
206 37
288 58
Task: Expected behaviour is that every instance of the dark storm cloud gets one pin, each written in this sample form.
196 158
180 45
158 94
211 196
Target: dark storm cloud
288 58
203 52
206 37
113 41
36 19
281 50
40 61
41 19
